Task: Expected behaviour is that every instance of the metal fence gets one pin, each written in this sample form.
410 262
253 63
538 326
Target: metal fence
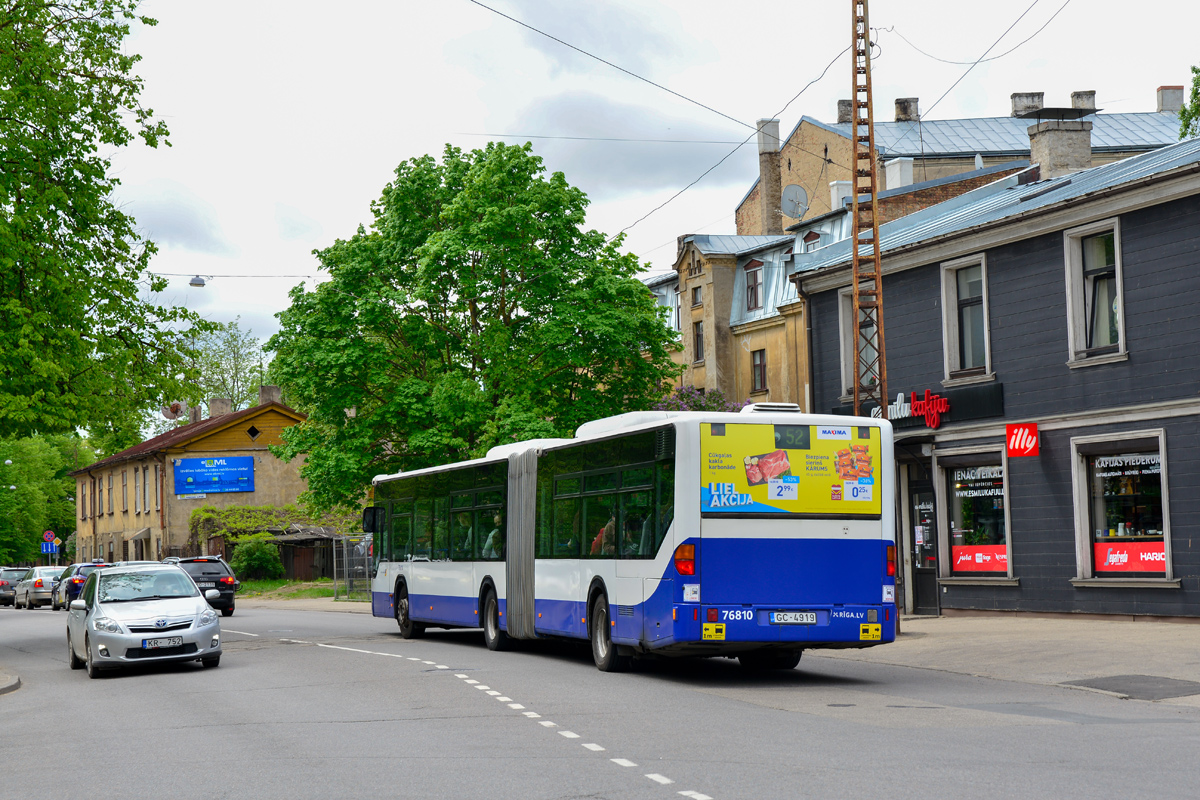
352 568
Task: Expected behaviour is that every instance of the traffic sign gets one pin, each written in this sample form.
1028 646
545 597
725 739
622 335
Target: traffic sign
48 536
57 542
49 547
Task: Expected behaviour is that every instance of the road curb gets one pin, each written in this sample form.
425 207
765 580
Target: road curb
9 683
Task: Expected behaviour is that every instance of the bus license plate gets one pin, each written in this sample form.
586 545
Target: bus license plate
169 641
793 618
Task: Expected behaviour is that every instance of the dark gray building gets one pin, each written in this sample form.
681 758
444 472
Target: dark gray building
1041 336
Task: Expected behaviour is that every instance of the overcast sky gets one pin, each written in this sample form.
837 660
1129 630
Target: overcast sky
288 118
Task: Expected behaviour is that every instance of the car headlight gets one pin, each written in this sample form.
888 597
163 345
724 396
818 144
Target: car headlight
208 617
107 624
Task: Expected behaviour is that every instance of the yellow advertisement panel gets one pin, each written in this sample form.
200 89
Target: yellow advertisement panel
789 469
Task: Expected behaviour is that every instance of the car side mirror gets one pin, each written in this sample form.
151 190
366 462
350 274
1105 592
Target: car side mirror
78 605
212 594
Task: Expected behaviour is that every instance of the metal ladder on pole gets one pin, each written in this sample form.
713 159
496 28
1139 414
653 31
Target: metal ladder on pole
870 367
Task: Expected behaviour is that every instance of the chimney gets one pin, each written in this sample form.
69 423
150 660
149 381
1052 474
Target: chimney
1024 102
769 183
269 394
1170 99
194 415
898 172
1060 147
838 192
845 111
219 406
907 110
1083 100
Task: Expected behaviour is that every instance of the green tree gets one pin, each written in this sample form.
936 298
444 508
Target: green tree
229 363
476 310
256 557
1189 114
82 346
35 493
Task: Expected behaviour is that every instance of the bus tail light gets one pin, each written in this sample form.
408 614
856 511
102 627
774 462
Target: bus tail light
891 560
685 559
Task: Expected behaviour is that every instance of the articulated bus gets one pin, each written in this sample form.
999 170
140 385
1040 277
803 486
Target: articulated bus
752 535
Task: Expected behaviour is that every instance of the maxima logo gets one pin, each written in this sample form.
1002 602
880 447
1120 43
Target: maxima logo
833 433
1022 440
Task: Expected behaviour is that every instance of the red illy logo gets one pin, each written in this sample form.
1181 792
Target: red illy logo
1022 440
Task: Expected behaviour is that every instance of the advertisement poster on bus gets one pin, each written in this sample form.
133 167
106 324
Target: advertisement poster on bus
790 469
214 475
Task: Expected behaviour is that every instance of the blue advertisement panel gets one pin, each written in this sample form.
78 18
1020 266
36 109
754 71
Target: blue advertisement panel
214 475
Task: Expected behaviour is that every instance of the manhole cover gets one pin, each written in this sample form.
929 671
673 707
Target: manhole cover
1141 687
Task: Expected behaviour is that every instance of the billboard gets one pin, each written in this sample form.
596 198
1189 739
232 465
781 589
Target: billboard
790 469
214 475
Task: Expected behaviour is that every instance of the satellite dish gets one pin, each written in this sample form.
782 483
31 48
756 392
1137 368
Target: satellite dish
174 410
794 201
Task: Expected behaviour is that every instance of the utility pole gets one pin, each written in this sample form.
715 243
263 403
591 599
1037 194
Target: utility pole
870 368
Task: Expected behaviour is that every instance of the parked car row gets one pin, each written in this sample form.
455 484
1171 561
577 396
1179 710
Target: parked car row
30 587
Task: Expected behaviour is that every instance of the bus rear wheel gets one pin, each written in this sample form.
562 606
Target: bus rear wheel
604 652
770 660
493 636
408 628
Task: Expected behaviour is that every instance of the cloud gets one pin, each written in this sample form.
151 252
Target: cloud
294 224
605 169
171 214
624 34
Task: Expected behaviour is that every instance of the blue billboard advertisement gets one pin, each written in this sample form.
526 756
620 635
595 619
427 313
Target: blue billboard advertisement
214 475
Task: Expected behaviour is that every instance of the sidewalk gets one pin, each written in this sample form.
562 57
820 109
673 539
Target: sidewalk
1051 651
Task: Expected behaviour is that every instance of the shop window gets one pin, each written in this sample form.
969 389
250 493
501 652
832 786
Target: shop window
851 332
965 331
1095 297
1122 523
975 521
758 371
698 342
754 286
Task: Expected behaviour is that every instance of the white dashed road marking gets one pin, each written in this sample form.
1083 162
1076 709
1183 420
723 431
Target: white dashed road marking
515 706
569 734
663 779
239 633
695 795
594 747
532 714
622 762
548 723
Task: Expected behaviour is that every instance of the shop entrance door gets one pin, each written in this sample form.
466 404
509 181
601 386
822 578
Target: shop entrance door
924 538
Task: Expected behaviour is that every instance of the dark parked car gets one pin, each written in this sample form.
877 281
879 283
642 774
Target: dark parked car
70 583
8 584
210 572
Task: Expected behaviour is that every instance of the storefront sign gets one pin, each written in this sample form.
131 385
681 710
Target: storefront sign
790 469
930 407
1130 556
1127 465
980 558
1022 440
200 476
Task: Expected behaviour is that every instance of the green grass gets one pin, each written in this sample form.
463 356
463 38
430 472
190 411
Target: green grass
285 589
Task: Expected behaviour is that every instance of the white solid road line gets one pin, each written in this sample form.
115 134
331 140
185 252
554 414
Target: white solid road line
239 633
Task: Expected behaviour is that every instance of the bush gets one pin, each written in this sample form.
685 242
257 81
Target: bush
257 559
687 398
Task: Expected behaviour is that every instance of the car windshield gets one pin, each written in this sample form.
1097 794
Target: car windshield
13 574
46 572
197 568
124 587
88 570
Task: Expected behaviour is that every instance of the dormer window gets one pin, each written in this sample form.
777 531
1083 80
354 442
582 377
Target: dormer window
754 281
812 240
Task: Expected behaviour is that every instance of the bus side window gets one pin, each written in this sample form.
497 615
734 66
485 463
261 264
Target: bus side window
568 528
441 529
665 510
401 537
600 523
637 536
422 529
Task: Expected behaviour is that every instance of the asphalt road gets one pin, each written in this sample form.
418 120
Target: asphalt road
312 704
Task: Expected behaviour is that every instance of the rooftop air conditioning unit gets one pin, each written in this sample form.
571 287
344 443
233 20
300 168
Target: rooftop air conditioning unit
771 408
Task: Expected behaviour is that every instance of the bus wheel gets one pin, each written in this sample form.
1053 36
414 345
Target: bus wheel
770 660
408 628
604 652
495 638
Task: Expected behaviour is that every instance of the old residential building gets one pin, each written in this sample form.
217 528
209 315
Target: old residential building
136 504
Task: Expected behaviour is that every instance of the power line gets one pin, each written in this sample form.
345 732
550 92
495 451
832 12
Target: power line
609 63
892 29
731 152
598 138
206 275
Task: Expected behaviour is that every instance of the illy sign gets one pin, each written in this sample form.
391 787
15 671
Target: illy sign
1022 440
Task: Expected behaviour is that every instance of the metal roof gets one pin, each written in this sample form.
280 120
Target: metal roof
1007 198
730 245
1010 135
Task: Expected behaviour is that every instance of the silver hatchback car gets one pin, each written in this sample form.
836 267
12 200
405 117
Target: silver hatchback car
138 615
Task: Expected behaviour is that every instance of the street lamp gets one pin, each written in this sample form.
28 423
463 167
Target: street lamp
197 281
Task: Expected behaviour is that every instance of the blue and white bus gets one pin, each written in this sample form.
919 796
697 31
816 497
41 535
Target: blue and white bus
753 535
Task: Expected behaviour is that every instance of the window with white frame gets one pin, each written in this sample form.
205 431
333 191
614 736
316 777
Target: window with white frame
1122 522
754 283
1095 295
812 240
966 340
851 333
973 516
